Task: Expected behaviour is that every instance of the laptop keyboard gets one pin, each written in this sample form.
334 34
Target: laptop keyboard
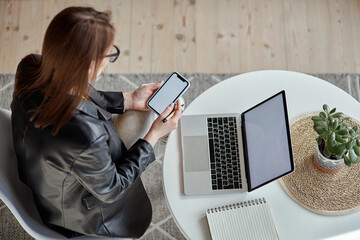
224 153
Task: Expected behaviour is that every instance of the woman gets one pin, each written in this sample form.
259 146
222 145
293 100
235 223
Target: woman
83 178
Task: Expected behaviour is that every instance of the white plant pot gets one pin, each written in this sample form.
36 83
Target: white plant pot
326 164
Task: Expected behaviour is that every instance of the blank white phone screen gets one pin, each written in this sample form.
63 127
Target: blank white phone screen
168 92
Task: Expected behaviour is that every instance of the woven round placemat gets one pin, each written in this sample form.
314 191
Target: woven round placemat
318 191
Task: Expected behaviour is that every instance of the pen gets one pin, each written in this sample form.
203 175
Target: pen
168 117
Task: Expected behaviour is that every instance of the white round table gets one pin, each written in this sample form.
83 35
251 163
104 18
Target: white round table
304 94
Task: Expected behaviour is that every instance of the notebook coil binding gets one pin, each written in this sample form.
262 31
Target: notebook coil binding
237 205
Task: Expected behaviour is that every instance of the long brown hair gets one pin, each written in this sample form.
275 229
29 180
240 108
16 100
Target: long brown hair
76 37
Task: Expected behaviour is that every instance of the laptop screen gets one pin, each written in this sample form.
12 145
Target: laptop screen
267 141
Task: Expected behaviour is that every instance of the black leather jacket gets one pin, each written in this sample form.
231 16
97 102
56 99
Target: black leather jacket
83 179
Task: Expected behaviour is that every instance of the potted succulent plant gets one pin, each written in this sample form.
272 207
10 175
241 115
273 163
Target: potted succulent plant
338 141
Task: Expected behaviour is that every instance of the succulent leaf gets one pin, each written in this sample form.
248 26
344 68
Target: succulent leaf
332 138
315 118
322 114
350 144
326 108
355 128
326 152
340 150
358 142
352 133
353 156
338 115
339 138
347 161
320 123
320 130
343 132
357 150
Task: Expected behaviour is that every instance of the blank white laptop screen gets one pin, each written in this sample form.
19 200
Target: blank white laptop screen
267 141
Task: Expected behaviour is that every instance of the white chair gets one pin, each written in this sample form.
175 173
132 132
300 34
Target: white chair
16 195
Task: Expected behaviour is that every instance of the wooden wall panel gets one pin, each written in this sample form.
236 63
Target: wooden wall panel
227 36
184 52
355 28
342 42
10 21
205 36
320 36
297 34
141 36
163 36
121 18
220 36
262 35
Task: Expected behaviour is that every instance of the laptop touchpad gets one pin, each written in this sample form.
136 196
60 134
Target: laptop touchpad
196 154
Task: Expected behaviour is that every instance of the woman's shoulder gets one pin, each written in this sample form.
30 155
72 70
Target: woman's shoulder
29 61
27 66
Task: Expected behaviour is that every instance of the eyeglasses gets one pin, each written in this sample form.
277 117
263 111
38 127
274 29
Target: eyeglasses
114 56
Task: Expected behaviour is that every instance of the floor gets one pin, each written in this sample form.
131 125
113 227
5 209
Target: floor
204 36
200 36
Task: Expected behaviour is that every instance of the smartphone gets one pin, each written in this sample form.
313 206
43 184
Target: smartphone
172 89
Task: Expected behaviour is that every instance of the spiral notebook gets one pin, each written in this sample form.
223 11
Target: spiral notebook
245 220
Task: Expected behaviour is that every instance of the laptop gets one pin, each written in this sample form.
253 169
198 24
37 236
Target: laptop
231 153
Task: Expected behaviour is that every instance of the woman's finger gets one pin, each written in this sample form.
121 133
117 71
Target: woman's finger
155 86
167 111
178 110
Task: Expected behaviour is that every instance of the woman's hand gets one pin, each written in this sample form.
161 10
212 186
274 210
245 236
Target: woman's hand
159 128
137 100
